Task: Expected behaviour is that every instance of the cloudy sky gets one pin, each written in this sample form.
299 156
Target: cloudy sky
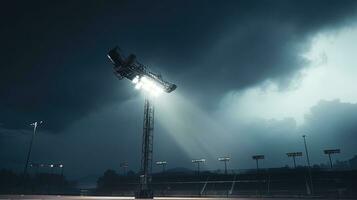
252 76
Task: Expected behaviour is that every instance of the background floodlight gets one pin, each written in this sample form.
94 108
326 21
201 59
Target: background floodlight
293 155
225 160
124 165
163 164
329 152
198 161
35 124
257 158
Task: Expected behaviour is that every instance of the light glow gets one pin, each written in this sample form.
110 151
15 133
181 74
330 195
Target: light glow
148 85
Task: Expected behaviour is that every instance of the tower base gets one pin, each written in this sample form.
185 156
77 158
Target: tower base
144 194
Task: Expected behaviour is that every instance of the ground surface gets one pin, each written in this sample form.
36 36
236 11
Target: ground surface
53 197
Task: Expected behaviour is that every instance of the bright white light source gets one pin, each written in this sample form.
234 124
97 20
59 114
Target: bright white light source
148 85
138 85
135 80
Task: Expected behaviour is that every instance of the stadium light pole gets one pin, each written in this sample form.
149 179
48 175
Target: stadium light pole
257 158
61 166
198 162
52 166
124 166
128 67
308 165
225 160
163 164
329 152
293 155
35 125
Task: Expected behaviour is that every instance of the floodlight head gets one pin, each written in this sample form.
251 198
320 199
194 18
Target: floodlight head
294 154
198 160
51 165
61 165
35 124
258 157
161 162
124 164
130 68
224 159
148 84
332 151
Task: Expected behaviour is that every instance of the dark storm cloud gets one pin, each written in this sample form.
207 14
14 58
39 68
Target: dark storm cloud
332 124
53 55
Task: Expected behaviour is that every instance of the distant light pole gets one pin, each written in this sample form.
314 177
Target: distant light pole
294 154
61 166
225 160
124 165
198 161
307 153
163 164
257 158
329 152
35 124
52 168
308 164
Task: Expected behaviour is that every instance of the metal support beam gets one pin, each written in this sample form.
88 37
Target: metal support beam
145 191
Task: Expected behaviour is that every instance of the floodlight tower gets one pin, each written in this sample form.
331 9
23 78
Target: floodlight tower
329 152
61 166
293 155
128 67
124 165
257 158
198 161
163 164
225 160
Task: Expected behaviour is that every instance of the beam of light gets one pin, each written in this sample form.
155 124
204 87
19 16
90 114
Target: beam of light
197 133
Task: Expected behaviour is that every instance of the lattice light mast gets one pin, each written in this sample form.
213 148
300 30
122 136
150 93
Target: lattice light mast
154 85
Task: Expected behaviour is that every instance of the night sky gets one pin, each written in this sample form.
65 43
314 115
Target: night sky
252 77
